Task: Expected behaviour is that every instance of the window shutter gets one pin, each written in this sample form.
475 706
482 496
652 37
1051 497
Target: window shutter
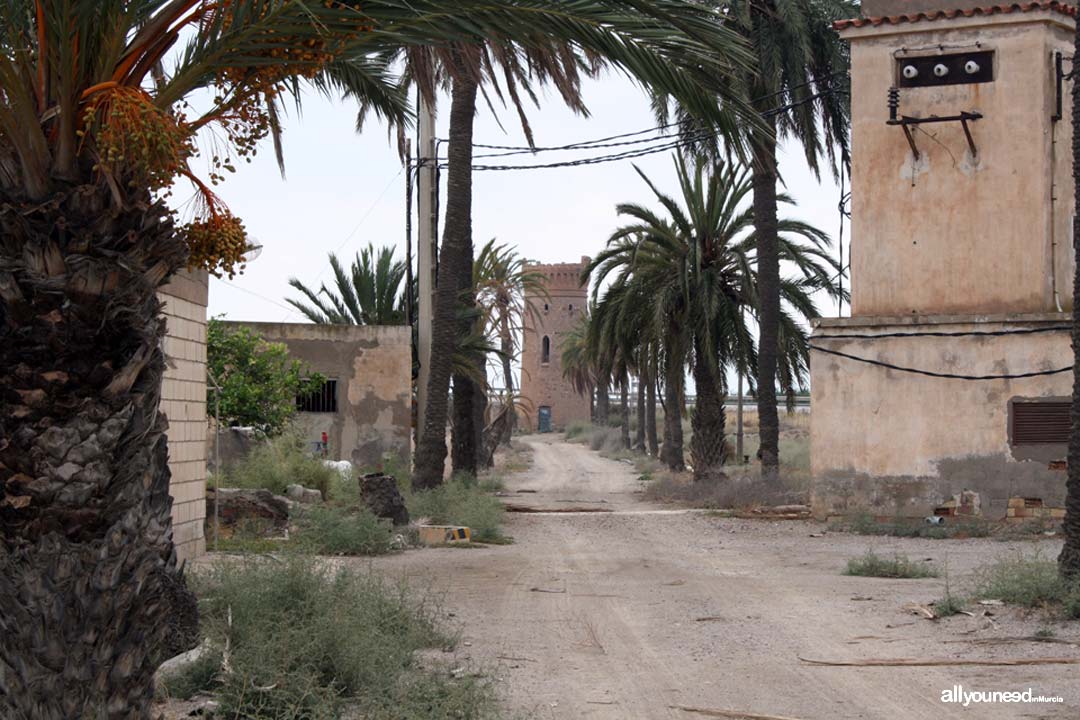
1040 423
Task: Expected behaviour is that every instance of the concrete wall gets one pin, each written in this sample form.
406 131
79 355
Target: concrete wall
953 233
183 400
901 441
542 384
373 369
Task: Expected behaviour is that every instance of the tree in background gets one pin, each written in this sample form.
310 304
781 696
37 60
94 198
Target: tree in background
506 292
697 262
798 91
258 381
685 60
370 293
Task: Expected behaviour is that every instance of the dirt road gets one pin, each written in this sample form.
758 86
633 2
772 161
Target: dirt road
641 611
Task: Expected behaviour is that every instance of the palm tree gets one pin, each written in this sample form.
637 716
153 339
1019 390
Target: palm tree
506 292
699 263
798 90
93 130
684 61
1069 558
577 363
369 294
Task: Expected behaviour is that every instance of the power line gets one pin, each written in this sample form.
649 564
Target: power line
956 333
931 373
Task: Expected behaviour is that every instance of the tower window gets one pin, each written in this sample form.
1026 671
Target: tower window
571 308
545 307
545 350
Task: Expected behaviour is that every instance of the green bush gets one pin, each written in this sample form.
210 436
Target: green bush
460 502
898 566
334 531
577 429
193 679
1031 581
308 644
280 462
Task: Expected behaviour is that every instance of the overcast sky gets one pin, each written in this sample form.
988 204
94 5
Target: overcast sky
343 190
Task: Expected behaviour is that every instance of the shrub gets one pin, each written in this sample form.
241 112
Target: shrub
1031 581
898 566
192 679
460 502
305 643
577 429
334 531
280 462
863 523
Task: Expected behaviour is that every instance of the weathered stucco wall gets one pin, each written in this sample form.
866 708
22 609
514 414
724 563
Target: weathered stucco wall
183 400
373 368
542 384
953 233
890 439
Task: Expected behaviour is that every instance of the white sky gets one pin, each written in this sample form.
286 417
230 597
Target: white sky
344 190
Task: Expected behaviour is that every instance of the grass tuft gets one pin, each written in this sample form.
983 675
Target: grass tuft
460 501
898 566
1029 581
304 642
334 531
280 462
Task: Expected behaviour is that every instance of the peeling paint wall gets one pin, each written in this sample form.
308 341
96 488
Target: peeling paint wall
373 368
925 438
953 233
183 400
948 242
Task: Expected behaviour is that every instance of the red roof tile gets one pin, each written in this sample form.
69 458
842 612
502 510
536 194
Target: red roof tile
1052 5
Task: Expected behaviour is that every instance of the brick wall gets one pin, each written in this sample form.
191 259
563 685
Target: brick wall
183 400
542 384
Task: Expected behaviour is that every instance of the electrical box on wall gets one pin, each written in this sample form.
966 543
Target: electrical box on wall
954 69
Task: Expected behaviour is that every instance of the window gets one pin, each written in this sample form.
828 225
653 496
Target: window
545 350
1039 422
323 400
545 307
571 308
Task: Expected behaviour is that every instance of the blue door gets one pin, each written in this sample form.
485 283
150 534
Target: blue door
545 419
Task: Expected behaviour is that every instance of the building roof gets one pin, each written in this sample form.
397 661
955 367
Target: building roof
1063 8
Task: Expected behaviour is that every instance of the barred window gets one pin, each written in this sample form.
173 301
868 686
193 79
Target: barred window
1040 423
323 400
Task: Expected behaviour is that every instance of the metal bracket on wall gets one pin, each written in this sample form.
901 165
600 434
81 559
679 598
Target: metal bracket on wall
905 122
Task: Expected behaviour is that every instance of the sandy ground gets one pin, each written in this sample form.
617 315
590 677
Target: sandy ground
641 611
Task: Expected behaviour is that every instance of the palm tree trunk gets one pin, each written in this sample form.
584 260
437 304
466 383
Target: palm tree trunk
768 266
650 408
624 413
87 564
455 270
1069 559
707 422
603 403
507 347
672 453
639 434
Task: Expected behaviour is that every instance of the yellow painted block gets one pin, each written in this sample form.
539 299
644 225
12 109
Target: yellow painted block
443 534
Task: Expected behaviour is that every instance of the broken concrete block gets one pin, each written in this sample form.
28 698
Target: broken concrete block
443 534
301 494
381 495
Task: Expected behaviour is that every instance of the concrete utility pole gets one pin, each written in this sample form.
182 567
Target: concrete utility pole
426 250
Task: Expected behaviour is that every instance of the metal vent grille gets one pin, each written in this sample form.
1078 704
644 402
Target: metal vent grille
323 400
1040 423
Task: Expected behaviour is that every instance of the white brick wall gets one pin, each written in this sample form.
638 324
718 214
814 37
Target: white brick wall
183 400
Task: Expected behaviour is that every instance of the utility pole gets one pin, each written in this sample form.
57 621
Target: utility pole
426 250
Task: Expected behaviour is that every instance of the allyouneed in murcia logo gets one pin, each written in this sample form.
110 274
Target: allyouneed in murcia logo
957 694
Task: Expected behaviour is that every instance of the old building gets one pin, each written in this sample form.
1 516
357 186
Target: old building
365 407
953 370
549 398
183 400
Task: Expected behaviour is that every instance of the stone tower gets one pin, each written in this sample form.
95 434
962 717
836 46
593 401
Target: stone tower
551 401
952 372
